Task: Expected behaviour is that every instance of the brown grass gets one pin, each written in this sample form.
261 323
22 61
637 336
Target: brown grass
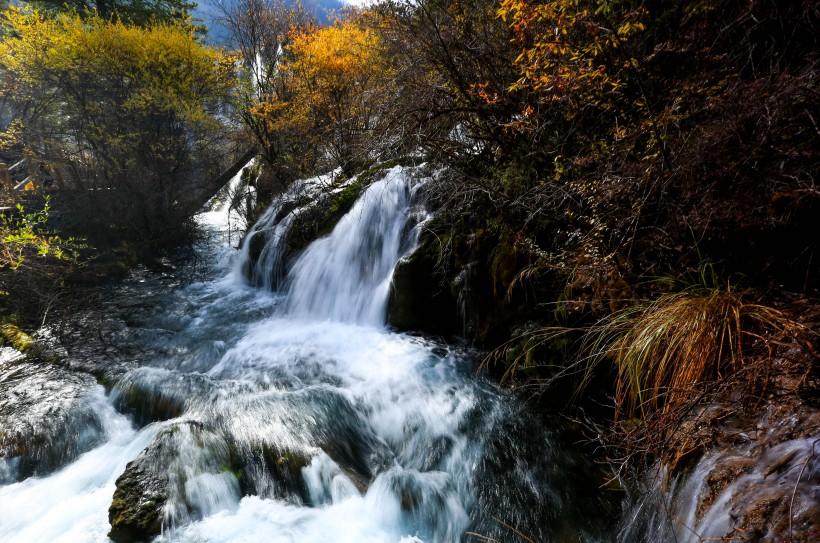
664 348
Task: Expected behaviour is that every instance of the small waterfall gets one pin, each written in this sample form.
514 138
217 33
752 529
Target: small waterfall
727 496
345 277
228 209
268 235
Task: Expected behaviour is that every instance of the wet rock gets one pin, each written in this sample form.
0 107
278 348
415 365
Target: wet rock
184 474
314 215
47 417
273 436
91 342
156 394
752 479
136 511
318 218
417 302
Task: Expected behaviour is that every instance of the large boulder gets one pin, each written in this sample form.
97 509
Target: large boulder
184 473
194 469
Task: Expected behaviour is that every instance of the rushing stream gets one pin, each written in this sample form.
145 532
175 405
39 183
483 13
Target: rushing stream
293 414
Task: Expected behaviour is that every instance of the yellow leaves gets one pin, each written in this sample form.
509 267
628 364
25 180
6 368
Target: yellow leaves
11 135
25 233
335 78
160 68
335 64
565 47
630 27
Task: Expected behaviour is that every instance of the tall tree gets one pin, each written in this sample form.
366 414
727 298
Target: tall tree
130 116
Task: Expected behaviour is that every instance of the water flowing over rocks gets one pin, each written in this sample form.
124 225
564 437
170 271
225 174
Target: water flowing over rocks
293 413
745 479
47 417
184 473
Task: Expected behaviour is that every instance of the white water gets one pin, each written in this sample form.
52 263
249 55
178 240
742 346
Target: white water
688 510
273 226
346 276
72 505
395 428
228 209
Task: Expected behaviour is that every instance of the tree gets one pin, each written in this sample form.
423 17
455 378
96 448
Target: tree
566 54
340 79
128 116
260 31
454 64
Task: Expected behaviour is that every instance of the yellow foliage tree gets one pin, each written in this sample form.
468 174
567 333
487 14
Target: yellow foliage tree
115 106
566 47
340 80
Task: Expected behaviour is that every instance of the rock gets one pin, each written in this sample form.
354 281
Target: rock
317 215
47 417
291 429
417 301
184 473
136 511
157 394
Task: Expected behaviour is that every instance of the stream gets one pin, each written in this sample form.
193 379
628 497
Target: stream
285 410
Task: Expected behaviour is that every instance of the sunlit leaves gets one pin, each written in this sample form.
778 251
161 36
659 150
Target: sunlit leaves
161 68
337 77
565 46
25 234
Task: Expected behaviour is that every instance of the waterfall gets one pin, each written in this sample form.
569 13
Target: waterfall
298 416
228 209
267 269
346 276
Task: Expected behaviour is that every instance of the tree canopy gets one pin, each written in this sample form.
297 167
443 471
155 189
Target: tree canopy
108 105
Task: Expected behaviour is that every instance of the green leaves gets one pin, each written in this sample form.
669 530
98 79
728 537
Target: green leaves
25 234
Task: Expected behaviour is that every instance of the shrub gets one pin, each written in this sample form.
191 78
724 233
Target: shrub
125 116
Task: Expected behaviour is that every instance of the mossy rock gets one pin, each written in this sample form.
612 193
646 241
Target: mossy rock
320 217
13 336
152 489
136 510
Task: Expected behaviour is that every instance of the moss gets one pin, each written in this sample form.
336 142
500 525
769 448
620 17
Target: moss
340 204
13 336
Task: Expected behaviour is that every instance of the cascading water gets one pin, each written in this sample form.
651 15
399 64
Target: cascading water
346 276
301 418
267 270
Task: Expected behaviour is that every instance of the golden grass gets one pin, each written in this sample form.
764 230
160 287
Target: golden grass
664 348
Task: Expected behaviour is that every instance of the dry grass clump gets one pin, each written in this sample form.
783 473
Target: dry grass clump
664 348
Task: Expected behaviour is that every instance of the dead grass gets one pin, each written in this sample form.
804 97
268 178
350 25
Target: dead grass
664 348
